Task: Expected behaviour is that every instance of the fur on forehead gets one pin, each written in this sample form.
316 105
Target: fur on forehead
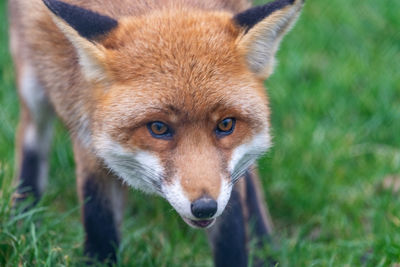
186 62
172 43
136 102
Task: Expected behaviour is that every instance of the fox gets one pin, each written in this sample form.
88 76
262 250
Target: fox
162 96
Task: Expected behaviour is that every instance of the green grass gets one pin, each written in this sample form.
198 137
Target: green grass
335 100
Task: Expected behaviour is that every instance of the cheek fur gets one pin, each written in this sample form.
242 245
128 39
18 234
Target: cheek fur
246 154
139 169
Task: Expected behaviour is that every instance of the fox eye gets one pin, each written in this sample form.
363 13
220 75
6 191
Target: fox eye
159 130
225 127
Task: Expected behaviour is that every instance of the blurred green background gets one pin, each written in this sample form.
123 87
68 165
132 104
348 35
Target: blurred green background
329 179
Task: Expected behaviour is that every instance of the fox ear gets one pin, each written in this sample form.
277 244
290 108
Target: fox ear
84 29
264 26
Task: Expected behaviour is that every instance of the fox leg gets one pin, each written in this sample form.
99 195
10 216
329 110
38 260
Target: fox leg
257 216
102 197
245 217
228 235
34 135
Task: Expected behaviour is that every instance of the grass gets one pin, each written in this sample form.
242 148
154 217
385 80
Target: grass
335 100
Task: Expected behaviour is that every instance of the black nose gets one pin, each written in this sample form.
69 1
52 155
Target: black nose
204 207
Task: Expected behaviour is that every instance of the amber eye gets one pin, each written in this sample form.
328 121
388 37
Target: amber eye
159 130
225 127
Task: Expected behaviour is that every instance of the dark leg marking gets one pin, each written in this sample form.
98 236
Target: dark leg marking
259 228
229 241
101 232
29 175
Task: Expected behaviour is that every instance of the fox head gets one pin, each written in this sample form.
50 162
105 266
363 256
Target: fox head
177 102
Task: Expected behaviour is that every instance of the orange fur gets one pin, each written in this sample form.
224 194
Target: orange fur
180 62
185 63
176 67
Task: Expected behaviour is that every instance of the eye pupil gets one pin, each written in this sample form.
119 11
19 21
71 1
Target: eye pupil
226 124
159 130
225 127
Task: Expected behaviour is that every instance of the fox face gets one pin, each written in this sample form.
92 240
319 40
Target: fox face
177 103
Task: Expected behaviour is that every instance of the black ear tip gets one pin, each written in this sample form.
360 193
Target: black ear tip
88 24
53 5
50 5
252 16
56 7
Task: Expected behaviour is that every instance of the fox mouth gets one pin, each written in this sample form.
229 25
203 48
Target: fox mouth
199 223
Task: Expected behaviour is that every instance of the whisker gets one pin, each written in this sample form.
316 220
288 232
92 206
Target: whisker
243 165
